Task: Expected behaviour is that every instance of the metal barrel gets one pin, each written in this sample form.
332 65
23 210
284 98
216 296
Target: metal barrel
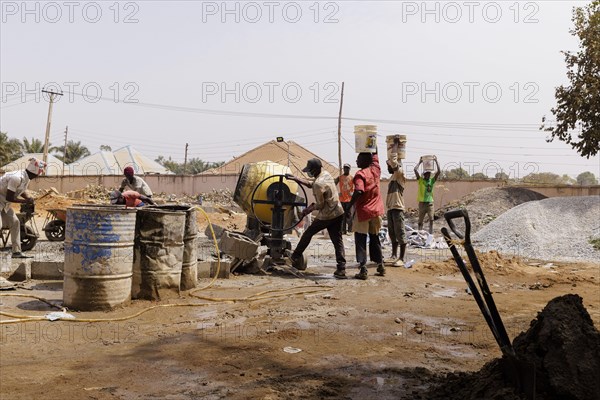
189 268
98 257
158 253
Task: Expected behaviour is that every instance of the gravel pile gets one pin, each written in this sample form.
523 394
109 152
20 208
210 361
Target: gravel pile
558 228
485 205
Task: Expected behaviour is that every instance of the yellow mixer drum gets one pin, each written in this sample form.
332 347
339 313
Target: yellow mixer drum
252 174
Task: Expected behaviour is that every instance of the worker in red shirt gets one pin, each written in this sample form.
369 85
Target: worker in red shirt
130 198
369 209
346 187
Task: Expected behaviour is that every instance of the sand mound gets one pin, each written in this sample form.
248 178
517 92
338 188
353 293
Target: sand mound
562 345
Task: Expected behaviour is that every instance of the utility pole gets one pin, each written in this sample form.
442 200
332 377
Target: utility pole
65 151
52 97
185 159
340 131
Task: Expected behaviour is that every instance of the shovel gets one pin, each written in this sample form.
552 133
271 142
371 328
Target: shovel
520 373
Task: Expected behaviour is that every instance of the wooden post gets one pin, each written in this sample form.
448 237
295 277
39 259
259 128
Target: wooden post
340 131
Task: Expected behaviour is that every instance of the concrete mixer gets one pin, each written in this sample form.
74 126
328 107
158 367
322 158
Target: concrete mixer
271 203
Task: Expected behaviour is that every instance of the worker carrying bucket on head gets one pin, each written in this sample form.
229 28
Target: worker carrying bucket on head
425 193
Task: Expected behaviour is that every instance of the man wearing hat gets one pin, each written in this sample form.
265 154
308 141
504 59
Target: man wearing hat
134 183
12 186
346 185
330 213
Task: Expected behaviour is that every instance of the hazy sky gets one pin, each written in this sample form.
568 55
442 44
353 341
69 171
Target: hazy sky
467 81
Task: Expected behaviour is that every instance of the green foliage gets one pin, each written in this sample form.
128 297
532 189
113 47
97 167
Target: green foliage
10 149
75 151
479 176
194 165
35 146
548 178
501 175
455 174
105 147
576 112
596 243
587 178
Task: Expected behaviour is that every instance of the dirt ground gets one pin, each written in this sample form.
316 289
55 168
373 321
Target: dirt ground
285 337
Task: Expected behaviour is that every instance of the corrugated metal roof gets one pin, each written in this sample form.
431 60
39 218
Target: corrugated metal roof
276 152
54 167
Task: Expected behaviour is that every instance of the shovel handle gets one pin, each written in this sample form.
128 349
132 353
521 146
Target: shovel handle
459 213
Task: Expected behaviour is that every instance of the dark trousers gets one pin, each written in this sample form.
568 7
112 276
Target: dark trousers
334 228
360 240
347 222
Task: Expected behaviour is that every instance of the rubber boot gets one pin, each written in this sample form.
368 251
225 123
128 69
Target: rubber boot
362 274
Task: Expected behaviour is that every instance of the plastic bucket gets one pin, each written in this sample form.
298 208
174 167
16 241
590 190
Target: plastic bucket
365 138
98 257
392 147
428 163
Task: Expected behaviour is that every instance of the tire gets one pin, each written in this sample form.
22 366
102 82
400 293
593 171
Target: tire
28 238
55 230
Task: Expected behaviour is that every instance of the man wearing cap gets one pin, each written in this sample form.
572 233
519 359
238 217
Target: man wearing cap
330 213
134 183
346 186
369 209
12 186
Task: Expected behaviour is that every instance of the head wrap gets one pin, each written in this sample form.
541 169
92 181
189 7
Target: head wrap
36 166
128 171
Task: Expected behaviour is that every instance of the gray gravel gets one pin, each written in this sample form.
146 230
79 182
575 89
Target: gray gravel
553 229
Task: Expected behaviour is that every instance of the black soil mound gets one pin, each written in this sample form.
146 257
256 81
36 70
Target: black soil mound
558 358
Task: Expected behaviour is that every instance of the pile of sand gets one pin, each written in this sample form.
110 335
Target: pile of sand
560 354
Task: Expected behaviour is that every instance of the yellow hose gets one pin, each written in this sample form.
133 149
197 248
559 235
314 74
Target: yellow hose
253 297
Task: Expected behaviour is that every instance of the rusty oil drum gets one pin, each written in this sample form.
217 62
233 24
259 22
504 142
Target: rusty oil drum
98 257
189 267
158 253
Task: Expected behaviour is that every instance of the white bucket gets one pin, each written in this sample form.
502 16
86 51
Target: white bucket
399 148
365 138
428 163
5 261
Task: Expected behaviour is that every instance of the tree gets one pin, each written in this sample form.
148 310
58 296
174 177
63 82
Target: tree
35 146
456 174
501 175
548 178
193 167
10 149
105 147
479 176
577 106
587 178
75 151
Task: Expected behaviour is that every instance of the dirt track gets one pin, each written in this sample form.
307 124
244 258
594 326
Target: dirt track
381 338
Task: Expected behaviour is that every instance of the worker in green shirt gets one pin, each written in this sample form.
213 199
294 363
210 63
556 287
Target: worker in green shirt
425 194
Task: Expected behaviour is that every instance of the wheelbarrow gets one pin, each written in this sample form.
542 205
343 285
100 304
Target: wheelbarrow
521 374
54 224
29 234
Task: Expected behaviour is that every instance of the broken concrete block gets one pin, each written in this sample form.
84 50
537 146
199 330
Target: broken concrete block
218 231
47 270
238 245
22 272
207 269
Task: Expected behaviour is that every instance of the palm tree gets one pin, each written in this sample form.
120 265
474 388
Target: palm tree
75 151
35 146
10 149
